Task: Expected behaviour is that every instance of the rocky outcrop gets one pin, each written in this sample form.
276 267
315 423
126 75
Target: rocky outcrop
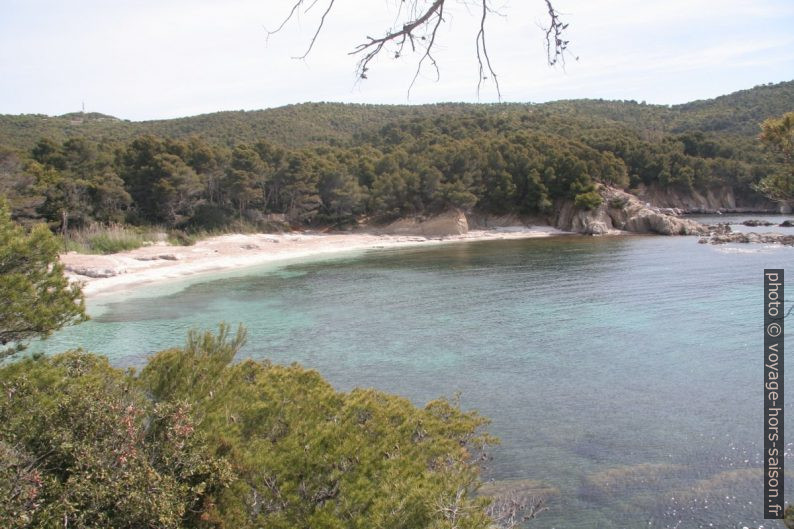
452 222
754 223
718 200
485 221
157 257
625 212
588 222
765 238
94 272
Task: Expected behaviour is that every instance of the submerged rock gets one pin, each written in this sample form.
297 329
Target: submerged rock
528 487
611 481
754 223
787 224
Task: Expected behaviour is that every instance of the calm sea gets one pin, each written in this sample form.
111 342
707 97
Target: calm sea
623 375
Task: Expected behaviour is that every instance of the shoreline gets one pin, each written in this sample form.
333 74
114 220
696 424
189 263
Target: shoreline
160 262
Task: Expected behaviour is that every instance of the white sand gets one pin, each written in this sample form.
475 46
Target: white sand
161 262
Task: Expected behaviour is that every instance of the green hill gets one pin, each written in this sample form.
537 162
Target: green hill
337 123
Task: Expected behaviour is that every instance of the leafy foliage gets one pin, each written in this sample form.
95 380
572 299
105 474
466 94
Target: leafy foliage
589 200
778 135
85 447
37 298
309 456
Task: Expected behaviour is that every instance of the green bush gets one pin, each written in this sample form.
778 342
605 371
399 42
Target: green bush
589 200
199 441
82 444
209 217
109 239
183 238
36 297
105 244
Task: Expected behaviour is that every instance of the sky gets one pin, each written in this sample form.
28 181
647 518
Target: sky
155 59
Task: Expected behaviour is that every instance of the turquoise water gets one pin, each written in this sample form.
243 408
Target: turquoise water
623 372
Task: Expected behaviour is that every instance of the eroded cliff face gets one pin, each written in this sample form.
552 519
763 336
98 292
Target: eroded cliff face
621 211
452 222
722 199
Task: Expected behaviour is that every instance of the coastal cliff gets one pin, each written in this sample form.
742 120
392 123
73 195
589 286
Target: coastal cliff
452 222
723 199
619 212
622 211
644 210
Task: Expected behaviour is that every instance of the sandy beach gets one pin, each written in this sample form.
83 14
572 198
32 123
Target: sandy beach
162 262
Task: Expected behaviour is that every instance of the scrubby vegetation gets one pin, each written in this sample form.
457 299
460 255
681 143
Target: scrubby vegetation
195 440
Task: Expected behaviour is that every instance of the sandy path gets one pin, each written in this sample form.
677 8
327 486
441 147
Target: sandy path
161 262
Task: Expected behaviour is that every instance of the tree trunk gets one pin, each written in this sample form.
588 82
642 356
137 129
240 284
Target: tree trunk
64 222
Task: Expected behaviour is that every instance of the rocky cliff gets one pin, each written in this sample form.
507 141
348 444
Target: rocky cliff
621 211
452 222
650 211
721 199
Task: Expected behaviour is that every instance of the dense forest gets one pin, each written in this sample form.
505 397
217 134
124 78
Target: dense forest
336 164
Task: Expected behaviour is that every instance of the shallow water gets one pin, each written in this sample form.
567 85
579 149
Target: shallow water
625 372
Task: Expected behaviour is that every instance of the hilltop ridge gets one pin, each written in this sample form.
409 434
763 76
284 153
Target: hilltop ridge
297 125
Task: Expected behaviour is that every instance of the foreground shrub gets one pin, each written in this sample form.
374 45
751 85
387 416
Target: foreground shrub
35 297
199 441
82 446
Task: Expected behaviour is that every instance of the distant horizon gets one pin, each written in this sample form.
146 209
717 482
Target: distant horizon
408 104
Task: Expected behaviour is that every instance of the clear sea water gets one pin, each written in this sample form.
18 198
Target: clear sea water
624 374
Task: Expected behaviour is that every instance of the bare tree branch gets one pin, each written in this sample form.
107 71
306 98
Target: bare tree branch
554 37
419 29
512 509
374 46
319 27
484 54
429 49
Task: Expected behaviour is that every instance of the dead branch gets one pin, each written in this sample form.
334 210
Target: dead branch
418 31
481 45
555 44
513 509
